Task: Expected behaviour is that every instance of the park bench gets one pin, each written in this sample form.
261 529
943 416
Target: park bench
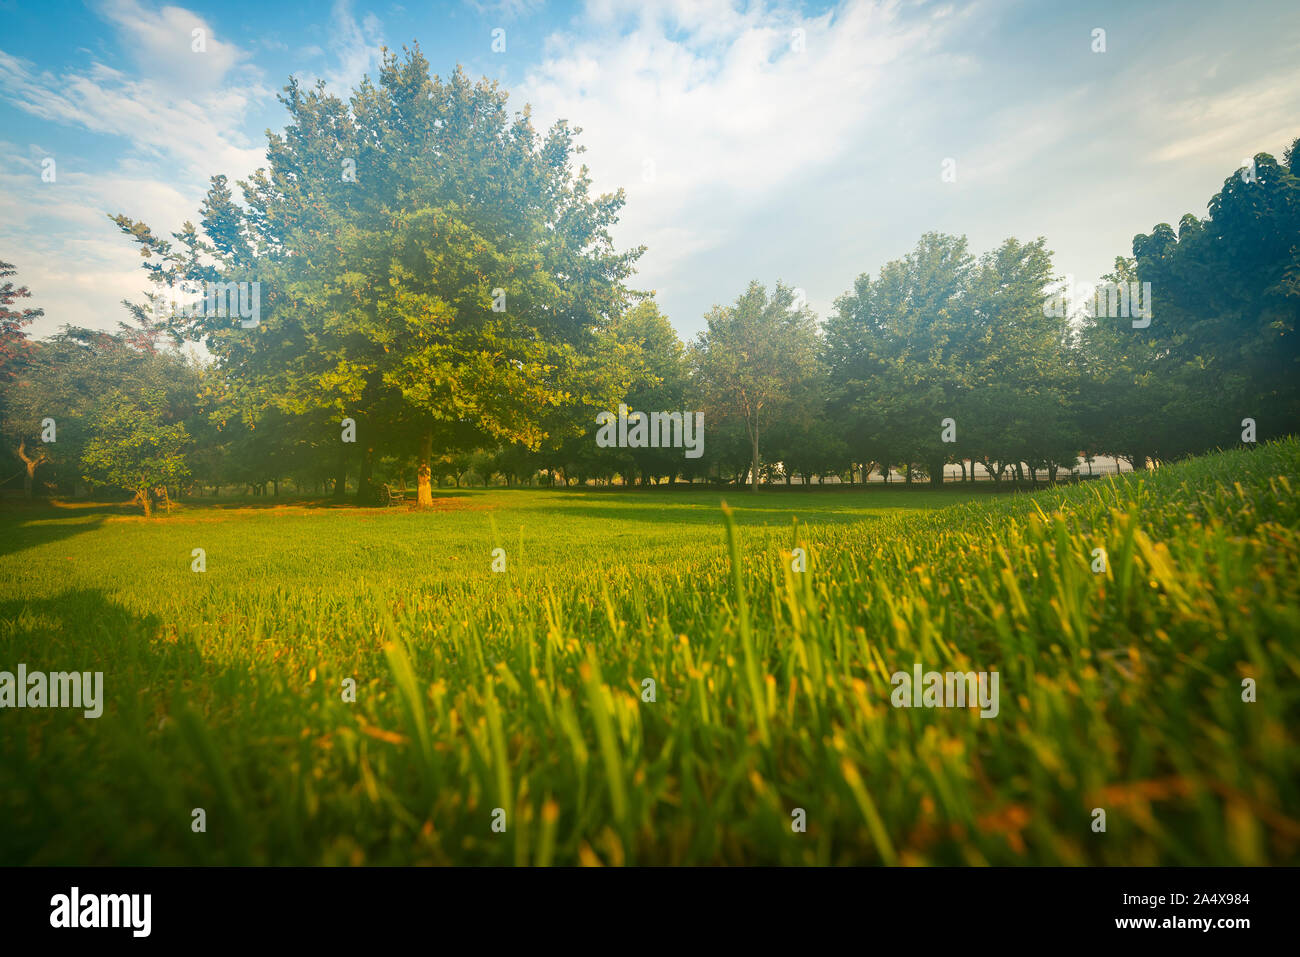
394 496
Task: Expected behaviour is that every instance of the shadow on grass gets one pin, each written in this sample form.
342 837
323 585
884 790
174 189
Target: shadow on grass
31 526
78 623
118 788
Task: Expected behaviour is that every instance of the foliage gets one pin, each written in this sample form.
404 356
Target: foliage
132 446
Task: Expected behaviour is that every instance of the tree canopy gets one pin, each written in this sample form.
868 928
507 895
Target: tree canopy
428 264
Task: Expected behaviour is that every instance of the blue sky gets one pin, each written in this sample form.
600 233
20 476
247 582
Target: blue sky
747 149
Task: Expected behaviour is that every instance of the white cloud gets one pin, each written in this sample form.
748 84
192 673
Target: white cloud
357 48
73 258
768 162
1259 111
722 101
203 133
505 9
161 43
178 119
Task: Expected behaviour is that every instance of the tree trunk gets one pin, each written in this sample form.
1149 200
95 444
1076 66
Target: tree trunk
146 499
936 473
424 475
31 463
341 477
753 474
365 494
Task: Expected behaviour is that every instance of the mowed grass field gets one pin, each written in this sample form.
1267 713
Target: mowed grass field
523 690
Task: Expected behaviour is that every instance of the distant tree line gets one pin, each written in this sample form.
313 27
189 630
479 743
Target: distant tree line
438 285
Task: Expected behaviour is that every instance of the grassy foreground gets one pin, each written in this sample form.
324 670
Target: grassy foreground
522 690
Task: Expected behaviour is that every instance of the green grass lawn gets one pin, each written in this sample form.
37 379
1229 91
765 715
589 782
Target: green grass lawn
522 690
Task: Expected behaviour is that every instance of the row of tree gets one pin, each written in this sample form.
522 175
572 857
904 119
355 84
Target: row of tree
436 282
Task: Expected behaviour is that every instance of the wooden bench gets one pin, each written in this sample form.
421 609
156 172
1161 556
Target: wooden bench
395 496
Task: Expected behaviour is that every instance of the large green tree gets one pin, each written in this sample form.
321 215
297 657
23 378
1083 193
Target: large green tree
944 346
754 361
429 266
1221 344
659 381
895 355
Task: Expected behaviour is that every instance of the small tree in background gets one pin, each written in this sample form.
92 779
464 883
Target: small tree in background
133 447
